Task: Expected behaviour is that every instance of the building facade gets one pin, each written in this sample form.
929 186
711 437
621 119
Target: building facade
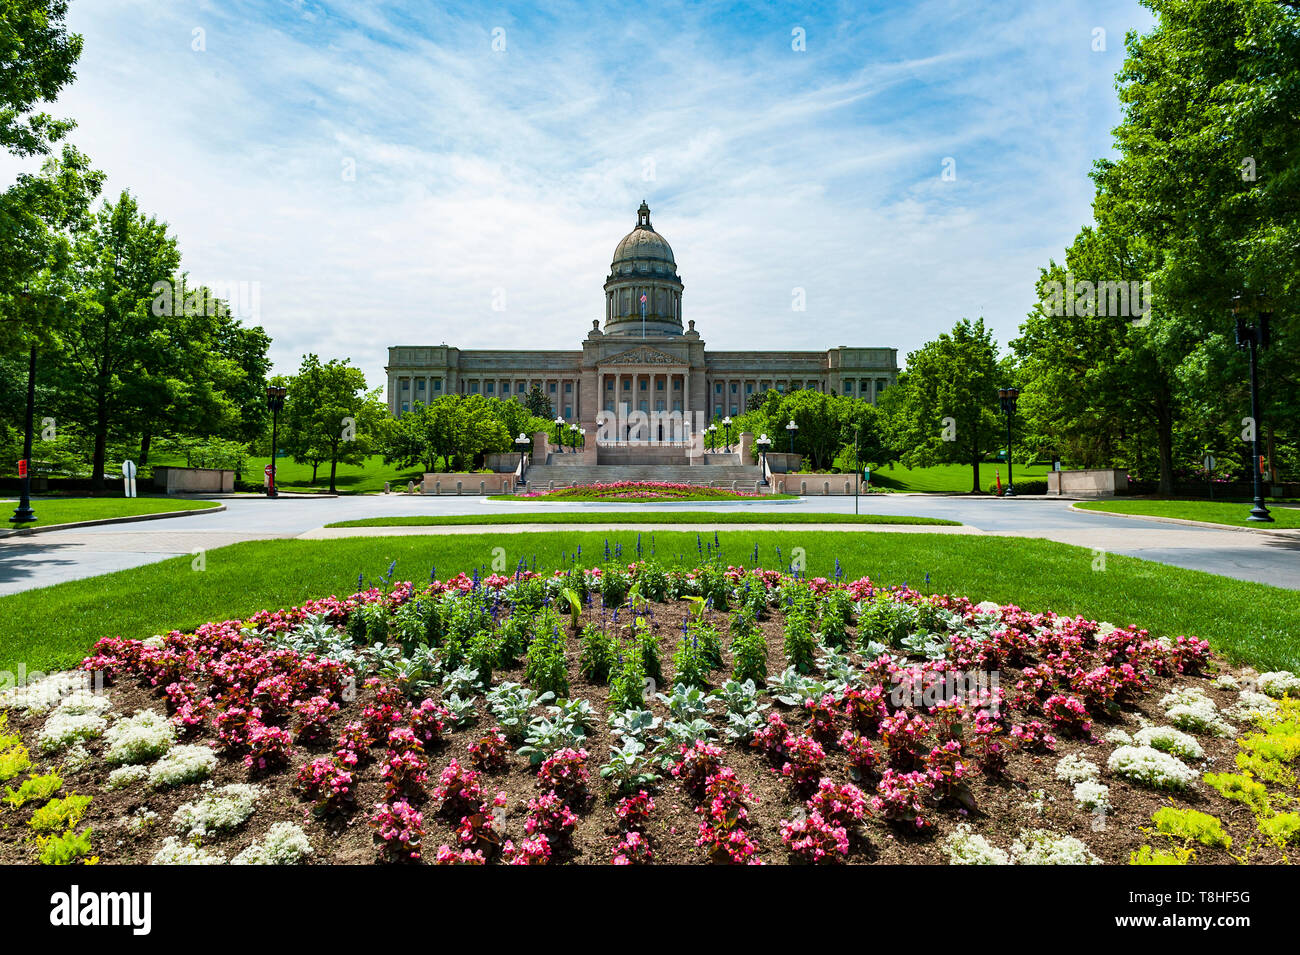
642 359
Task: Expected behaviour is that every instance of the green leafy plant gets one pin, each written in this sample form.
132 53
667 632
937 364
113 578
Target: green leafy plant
59 814
34 789
65 849
627 684
547 669
598 654
800 644
1190 825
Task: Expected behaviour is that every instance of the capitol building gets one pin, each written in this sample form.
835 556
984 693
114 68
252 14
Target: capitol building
640 358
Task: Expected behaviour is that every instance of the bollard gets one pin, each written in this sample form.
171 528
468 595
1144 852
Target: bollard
458 489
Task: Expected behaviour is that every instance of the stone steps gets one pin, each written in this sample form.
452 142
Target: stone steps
716 475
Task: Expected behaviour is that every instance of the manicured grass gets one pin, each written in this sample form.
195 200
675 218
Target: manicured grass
639 492
351 478
638 517
1214 512
951 478
65 510
1251 623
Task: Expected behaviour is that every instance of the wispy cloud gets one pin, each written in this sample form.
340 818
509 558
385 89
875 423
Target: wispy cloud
518 169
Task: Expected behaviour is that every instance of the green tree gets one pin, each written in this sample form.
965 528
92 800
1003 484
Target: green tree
329 416
114 330
37 56
945 406
538 405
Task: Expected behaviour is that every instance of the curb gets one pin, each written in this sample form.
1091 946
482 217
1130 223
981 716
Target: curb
131 519
1286 532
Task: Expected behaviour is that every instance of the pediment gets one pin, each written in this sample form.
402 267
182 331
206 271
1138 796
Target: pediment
643 355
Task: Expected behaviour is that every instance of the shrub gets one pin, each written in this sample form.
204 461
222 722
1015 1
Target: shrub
218 811
627 688
490 752
1092 796
34 789
14 762
800 643
283 844
690 665
175 852
1282 830
1148 856
1150 767
1075 769
748 650
814 840
1169 740
182 764
566 773
598 655
1190 825
1242 788
964 846
327 783
66 848
1279 683
399 827
1044 847
546 669
59 814
125 776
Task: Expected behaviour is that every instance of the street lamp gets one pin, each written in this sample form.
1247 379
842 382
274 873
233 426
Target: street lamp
1251 337
573 437
523 444
726 430
710 436
1008 397
763 442
582 436
559 434
24 513
790 429
275 401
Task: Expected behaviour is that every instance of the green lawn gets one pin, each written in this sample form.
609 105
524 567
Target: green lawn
351 479
637 517
951 478
64 510
1214 512
54 626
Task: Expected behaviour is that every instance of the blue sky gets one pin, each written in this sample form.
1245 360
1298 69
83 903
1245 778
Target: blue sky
485 174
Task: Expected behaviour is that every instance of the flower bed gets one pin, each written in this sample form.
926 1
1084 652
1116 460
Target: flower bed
631 714
642 491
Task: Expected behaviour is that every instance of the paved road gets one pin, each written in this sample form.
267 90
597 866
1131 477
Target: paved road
56 556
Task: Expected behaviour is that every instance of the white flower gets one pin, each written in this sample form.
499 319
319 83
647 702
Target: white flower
63 729
175 852
1169 740
1075 769
1044 847
1092 796
283 844
1251 704
184 764
1226 681
1117 737
966 847
218 810
39 696
1200 717
1279 683
139 738
125 776
1150 767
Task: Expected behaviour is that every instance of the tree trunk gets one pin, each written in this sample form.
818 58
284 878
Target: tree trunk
315 466
334 464
975 468
145 441
1165 449
98 462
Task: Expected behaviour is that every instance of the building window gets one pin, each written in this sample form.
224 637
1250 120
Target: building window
659 385
780 386
522 388
717 388
491 387
551 387
677 385
627 384
406 406
473 387
733 410
419 385
659 404
717 411
568 387
677 406
568 411
609 385
643 405
437 384
406 384
734 388
749 389
644 384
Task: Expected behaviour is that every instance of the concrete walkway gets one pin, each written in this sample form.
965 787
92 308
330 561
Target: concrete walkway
28 562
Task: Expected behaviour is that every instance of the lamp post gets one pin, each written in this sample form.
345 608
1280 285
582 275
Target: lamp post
24 513
726 430
275 401
582 437
1008 397
763 442
1251 337
522 444
559 434
790 429
710 436
573 437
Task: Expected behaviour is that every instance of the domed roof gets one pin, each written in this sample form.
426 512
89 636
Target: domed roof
643 246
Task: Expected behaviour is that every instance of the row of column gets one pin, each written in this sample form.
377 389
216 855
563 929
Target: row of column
624 387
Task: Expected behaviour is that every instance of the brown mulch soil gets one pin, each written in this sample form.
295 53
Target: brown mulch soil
1003 806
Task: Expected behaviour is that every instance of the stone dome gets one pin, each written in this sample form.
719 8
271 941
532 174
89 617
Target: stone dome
643 249
643 268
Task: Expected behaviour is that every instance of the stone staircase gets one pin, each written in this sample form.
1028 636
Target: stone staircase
715 475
